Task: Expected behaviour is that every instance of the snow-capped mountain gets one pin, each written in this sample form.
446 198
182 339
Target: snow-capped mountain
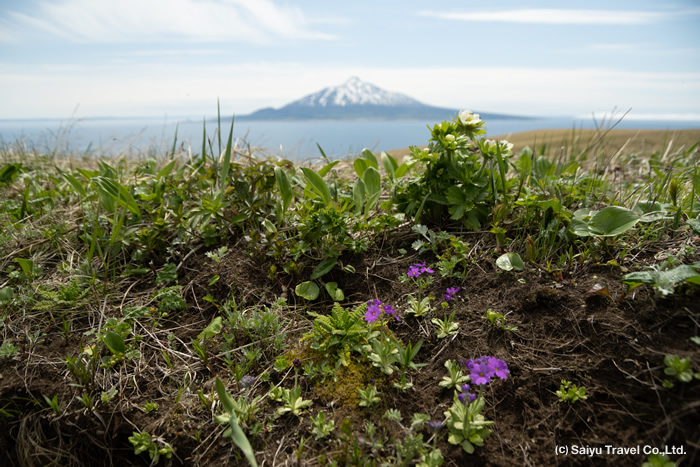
354 99
355 92
357 99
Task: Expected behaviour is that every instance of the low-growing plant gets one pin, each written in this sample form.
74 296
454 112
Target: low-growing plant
571 393
419 306
663 278
150 406
321 429
498 320
8 349
293 402
369 397
447 326
54 405
680 369
455 378
144 442
467 427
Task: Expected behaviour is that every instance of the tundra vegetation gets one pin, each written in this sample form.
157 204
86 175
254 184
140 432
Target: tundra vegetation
464 304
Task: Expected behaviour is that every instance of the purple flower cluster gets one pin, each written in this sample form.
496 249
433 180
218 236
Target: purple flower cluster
450 291
481 370
417 269
375 308
246 381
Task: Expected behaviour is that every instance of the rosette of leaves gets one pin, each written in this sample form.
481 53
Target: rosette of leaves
466 425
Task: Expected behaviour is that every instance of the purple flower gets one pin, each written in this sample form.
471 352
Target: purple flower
481 373
500 367
373 311
246 381
436 425
297 362
482 369
450 291
375 308
389 310
417 269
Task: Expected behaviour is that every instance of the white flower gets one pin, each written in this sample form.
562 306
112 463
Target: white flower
467 117
490 145
506 146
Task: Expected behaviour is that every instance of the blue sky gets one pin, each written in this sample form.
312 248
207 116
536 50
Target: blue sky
83 58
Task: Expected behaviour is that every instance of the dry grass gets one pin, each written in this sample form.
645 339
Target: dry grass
610 141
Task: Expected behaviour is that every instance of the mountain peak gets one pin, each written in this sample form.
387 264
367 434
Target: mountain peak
354 91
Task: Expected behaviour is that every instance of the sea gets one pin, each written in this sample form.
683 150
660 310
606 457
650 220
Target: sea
293 140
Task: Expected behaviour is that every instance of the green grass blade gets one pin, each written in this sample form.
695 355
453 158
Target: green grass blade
318 185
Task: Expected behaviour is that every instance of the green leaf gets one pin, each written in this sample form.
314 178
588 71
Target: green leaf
269 226
226 399
369 156
212 329
358 195
318 185
327 168
165 171
74 183
226 165
284 186
27 266
114 342
695 225
390 164
237 435
373 181
360 165
373 187
405 167
6 294
9 172
510 261
612 221
336 294
324 267
167 275
308 290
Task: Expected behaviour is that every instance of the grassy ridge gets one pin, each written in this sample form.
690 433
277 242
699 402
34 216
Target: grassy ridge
552 141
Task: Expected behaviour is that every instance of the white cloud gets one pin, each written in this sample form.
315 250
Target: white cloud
552 16
108 21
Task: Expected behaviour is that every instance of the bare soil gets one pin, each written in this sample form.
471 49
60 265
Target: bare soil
614 347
